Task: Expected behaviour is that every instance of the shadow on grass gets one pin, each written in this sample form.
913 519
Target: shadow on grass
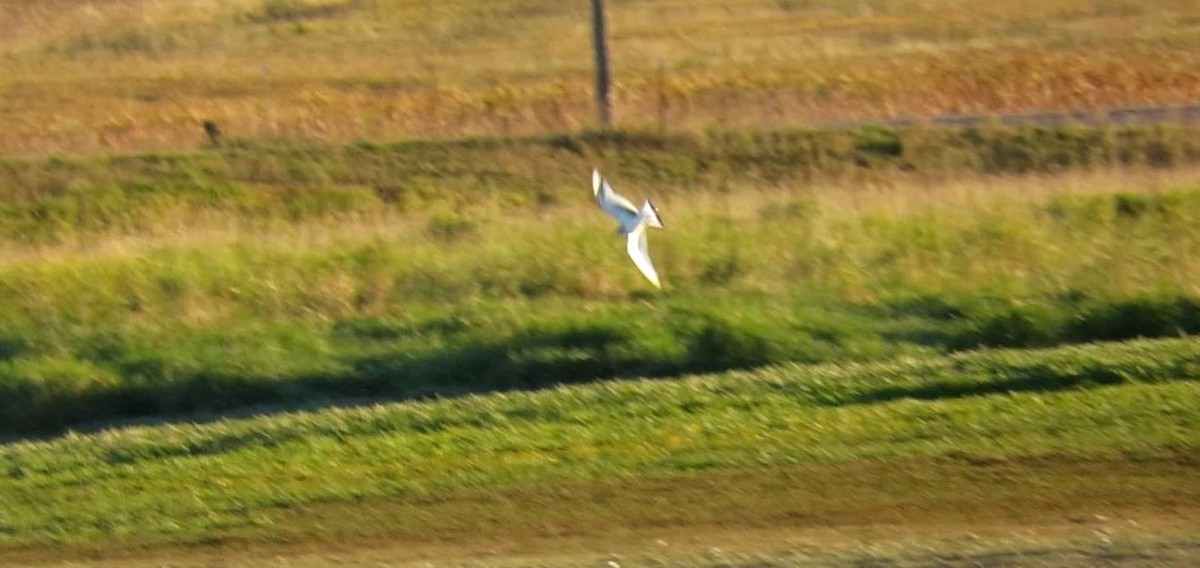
1032 379
377 366
971 323
376 361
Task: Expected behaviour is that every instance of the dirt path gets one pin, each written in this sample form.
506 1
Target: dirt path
1051 510
1117 116
1126 542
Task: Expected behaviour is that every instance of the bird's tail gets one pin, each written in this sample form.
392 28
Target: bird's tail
649 215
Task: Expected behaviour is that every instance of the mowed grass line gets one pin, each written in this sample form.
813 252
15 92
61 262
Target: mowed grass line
255 478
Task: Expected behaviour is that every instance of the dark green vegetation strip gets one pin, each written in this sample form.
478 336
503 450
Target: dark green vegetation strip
1107 420
54 199
128 371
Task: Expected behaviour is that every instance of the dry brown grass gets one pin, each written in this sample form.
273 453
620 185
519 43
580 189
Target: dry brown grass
847 239
134 75
840 204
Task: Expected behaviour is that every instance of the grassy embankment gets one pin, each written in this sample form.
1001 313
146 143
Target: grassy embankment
1104 434
160 285
97 77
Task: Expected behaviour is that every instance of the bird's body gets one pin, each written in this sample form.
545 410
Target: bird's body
633 224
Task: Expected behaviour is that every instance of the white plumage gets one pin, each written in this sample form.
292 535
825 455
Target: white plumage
633 224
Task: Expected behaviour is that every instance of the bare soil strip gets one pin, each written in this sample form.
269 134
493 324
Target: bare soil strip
1114 116
1048 510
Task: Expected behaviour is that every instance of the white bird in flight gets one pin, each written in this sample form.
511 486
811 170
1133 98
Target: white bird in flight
633 224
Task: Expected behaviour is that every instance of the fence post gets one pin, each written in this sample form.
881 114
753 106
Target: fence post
600 45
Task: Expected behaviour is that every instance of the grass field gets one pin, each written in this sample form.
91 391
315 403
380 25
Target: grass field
254 308
383 322
136 75
159 284
1000 436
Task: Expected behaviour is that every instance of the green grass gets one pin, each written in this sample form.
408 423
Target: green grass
309 334
852 276
250 478
310 285
216 282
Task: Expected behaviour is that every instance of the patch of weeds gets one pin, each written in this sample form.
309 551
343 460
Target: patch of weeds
296 11
940 308
722 343
1167 205
126 41
450 227
308 203
1020 325
876 145
368 328
1144 316
796 210
1082 210
12 346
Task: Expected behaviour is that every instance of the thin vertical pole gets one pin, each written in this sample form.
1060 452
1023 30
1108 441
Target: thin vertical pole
663 101
600 44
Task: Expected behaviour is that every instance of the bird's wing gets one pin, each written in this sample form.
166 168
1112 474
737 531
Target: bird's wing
636 246
611 202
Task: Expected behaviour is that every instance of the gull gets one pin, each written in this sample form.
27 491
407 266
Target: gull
633 224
